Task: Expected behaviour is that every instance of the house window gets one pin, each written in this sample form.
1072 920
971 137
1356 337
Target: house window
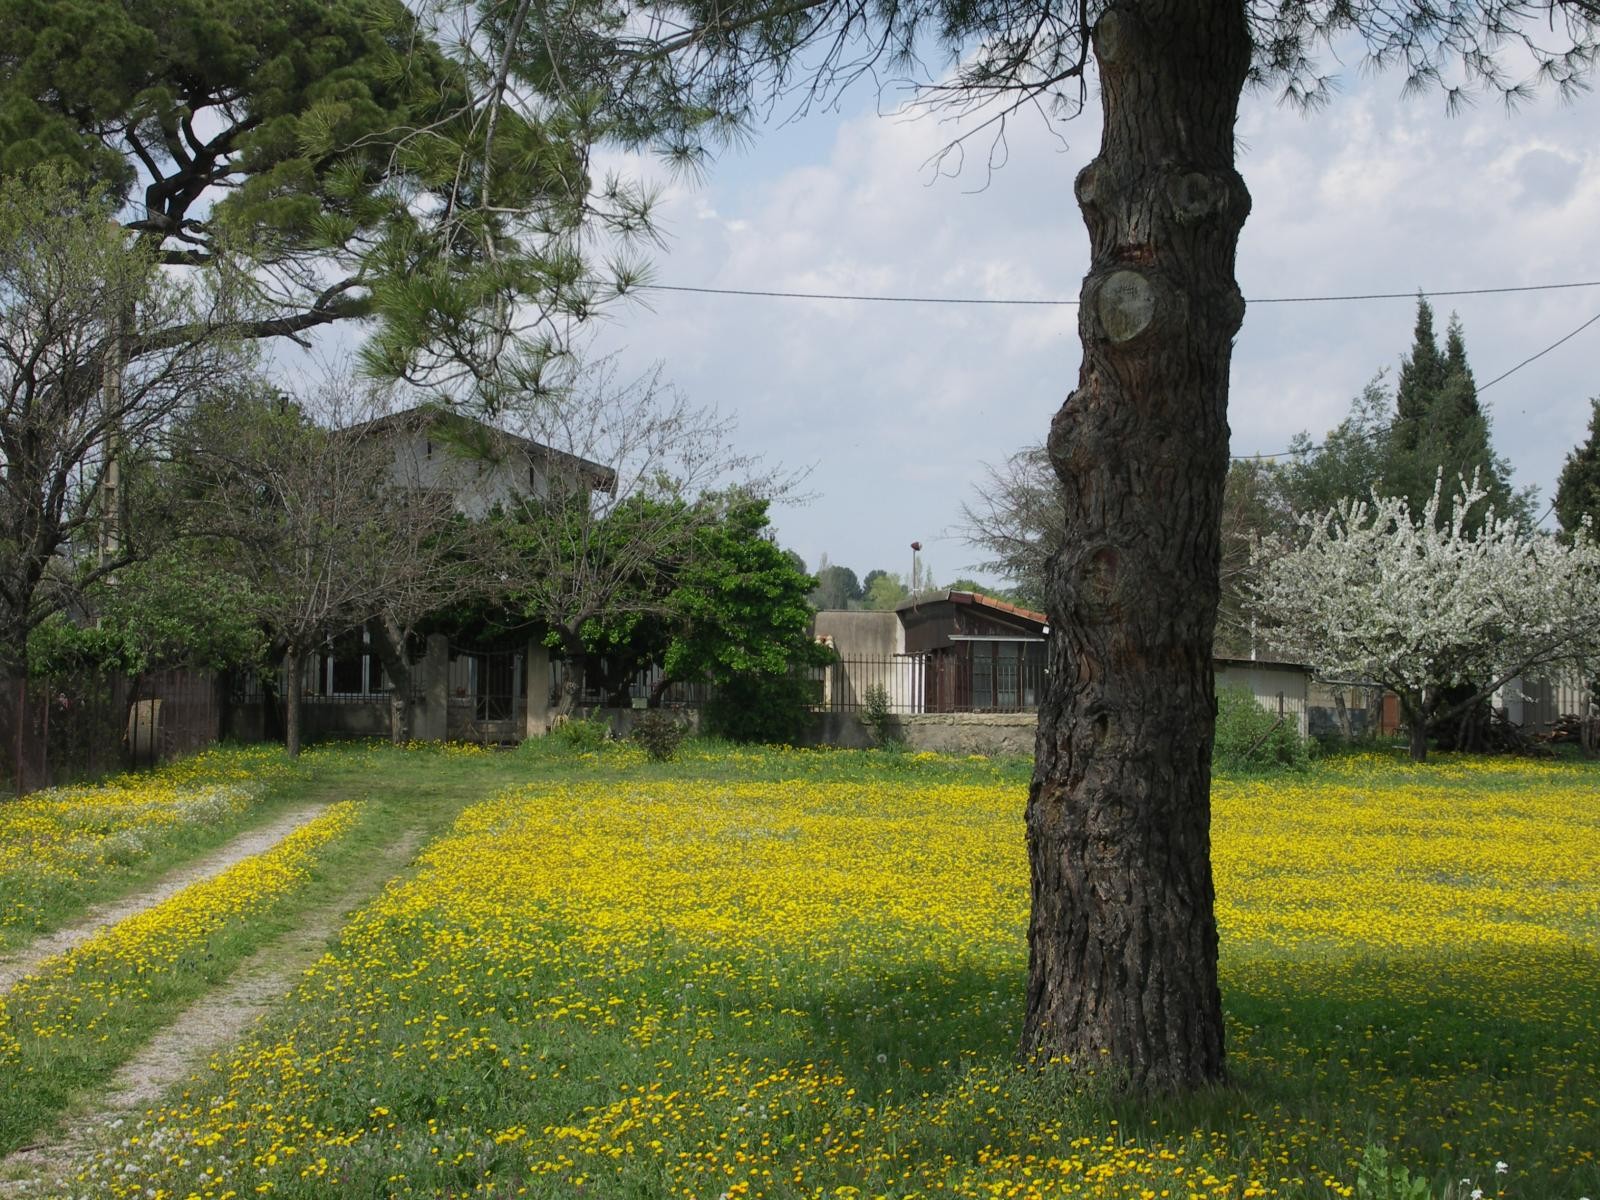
1007 676
1032 673
347 667
983 675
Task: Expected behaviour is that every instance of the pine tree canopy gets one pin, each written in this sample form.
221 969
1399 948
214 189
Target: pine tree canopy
325 159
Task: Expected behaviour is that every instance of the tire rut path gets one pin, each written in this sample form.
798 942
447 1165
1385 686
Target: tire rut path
213 1023
26 959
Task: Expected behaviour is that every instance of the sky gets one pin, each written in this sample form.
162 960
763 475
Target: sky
895 408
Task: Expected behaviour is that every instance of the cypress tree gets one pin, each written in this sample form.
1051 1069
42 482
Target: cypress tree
1440 426
1578 490
1422 373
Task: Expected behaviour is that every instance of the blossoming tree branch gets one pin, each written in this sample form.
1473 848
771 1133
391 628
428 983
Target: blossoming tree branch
1437 611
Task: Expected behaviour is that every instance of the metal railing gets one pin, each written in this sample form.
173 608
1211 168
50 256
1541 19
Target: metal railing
1004 680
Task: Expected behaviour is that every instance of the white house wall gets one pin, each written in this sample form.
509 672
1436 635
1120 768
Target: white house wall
1538 702
1279 689
476 485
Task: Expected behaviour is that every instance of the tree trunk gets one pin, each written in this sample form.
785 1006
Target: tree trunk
566 701
1419 711
1419 738
291 701
573 677
1122 975
389 641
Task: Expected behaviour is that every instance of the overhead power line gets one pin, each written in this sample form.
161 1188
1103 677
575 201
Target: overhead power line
775 294
982 300
1485 387
1482 387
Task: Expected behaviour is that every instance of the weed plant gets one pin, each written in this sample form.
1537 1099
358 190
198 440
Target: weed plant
660 733
876 714
1249 738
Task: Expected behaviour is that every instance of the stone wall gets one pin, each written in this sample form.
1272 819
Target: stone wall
622 720
947 733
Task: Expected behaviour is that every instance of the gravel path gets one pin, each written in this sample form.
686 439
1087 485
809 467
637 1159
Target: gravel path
212 1024
21 961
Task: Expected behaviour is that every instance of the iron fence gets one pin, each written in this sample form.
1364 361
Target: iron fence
933 682
86 725
996 677
642 689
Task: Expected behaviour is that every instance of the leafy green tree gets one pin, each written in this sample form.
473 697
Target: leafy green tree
885 591
178 607
1578 490
631 480
719 602
738 607
1350 461
1120 800
837 587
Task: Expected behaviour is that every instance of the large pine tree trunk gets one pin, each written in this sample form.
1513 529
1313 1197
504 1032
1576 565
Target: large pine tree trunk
1123 937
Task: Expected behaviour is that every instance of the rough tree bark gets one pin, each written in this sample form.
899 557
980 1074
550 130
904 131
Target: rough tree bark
1123 937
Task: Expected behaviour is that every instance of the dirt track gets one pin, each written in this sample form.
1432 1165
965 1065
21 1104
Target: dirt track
19 962
211 1024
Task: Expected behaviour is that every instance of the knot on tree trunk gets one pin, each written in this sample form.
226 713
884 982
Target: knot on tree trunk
1117 37
1128 304
1087 186
1196 196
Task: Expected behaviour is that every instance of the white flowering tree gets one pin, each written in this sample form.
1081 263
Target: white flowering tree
1371 590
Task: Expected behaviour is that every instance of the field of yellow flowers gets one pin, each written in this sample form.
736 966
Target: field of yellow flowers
70 1022
63 847
793 975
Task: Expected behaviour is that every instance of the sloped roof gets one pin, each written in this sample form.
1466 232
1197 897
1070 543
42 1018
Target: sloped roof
976 599
429 415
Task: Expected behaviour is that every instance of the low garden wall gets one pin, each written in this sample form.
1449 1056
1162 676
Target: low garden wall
947 733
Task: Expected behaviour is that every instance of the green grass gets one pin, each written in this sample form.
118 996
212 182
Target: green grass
42 901
790 975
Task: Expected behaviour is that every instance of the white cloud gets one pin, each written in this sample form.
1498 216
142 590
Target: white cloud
898 405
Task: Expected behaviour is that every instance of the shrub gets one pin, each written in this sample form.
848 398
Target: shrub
659 733
581 735
876 715
774 709
1249 738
